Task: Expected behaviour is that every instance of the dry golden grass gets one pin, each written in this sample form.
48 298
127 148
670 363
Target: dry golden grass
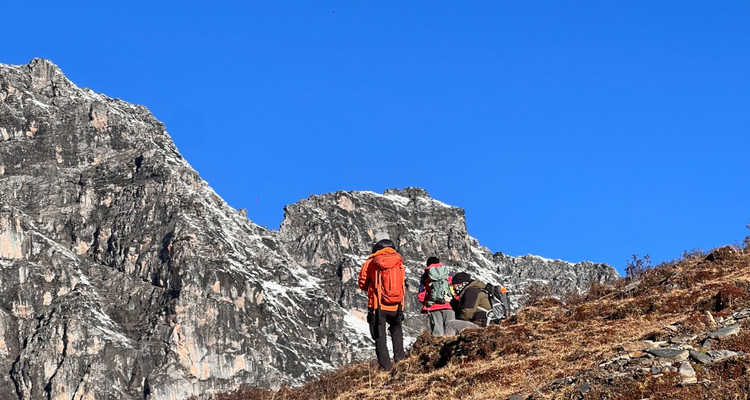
550 340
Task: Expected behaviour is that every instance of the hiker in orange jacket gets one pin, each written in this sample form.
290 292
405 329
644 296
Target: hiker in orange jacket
383 276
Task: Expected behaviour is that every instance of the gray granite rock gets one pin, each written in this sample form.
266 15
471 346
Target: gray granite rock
720 355
725 332
669 354
681 339
670 368
688 373
700 357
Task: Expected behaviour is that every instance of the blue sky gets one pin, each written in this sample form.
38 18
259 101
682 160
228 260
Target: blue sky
587 130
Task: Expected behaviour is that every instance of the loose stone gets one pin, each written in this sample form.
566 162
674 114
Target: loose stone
670 354
700 357
720 355
725 332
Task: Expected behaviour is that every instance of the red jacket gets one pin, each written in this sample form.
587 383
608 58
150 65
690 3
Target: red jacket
423 295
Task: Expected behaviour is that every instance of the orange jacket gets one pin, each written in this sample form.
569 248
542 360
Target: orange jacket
367 281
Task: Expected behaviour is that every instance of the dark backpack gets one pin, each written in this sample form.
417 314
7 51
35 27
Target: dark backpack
440 289
499 302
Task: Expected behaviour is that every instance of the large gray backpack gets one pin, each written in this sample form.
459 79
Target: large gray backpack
440 289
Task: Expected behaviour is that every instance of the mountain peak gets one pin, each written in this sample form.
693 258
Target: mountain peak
47 78
410 192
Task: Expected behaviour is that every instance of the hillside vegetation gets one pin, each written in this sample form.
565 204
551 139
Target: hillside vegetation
678 330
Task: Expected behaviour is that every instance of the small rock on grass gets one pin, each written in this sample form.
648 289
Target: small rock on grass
670 354
725 332
688 373
700 357
720 355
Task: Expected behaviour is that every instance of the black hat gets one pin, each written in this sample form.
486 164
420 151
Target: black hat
461 277
433 260
380 245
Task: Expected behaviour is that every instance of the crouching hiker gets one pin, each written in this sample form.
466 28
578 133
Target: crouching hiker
382 276
435 294
472 304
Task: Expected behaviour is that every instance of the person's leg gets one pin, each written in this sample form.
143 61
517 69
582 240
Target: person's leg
455 326
436 323
376 320
448 315
431 317
397 334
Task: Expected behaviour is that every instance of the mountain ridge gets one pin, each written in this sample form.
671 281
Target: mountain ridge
132 278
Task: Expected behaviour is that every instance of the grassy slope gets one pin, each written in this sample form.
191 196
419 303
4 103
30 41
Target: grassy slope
551 339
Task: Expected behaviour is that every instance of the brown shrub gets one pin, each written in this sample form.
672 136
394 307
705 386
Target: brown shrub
625 310
247 393
536 291
695 323
573 298
731 370
598 290
740 342
328 386
727 295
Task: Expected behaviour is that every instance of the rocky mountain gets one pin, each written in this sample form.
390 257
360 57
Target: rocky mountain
123 275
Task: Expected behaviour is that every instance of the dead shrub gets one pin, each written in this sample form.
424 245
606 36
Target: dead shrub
629 309
694 254
573 298
246 392
731 369
635 267
582 313
695 323
740 342
727 295
656 336
598 290
536 292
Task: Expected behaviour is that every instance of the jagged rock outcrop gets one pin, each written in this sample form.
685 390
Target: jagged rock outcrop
123 275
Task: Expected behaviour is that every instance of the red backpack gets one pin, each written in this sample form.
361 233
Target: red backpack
389 278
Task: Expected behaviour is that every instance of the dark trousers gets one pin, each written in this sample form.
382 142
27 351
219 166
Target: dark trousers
377 320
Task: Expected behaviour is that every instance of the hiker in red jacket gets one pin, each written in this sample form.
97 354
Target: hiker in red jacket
438 310
383 276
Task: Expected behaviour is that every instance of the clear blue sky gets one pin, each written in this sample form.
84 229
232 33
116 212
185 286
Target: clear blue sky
585 130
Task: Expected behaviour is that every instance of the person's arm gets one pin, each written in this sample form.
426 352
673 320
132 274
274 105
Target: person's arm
467 305
422 295
364 275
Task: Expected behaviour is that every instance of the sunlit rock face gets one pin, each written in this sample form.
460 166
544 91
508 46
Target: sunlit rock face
124 276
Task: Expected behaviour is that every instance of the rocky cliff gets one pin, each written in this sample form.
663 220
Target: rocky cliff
124 276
